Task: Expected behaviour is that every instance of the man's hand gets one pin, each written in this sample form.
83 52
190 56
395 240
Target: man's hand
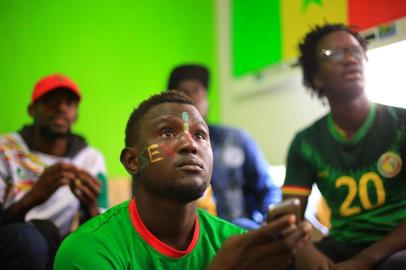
360 261
51 179
263 248
86 188
309 258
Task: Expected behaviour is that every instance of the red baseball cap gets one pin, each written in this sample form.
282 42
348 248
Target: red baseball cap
51 83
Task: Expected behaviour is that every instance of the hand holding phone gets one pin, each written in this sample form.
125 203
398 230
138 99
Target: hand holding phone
286 207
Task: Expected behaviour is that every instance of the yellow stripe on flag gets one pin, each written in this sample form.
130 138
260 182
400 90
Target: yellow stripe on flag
298 16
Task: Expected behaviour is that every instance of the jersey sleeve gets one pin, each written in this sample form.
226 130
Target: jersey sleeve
299 175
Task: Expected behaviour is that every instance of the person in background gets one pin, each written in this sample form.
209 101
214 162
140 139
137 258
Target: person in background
22 246
48 175
356 156
167 150
242 186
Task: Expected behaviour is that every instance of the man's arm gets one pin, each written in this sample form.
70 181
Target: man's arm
51 179
87 188
265 248
369 257
309 257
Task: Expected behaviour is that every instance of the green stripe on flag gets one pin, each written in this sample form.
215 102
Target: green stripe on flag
256 35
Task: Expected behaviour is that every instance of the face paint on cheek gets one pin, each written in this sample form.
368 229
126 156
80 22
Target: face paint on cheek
167 150
143 160
154 154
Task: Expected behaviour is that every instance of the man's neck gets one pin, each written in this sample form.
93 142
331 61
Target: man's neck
51 146
350 115
169 221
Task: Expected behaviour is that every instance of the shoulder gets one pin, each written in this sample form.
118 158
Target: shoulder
12 143
91 159
312 130
89 245
91 151
9 139
102 223
396 112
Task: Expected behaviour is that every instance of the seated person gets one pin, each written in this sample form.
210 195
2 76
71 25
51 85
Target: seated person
22 246
46 171
354 154
242 186
167 149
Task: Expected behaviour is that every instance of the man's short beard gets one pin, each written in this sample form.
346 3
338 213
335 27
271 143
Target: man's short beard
52 135
180 193
187 194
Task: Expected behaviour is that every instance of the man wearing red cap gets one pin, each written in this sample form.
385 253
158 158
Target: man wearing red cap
46 172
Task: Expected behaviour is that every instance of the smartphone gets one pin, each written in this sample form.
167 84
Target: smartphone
286 207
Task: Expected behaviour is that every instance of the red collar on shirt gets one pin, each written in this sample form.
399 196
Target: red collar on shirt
155 242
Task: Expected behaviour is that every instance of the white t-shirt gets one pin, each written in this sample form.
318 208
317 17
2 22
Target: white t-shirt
20 169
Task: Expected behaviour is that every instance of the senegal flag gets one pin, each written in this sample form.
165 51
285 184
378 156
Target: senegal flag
266 32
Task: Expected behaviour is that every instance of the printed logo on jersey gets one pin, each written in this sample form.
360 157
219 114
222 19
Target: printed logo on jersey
389 164
233 156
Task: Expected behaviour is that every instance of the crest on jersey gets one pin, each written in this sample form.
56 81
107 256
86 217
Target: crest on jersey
389 164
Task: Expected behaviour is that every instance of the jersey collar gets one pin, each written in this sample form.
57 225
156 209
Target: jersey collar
339 134
158 245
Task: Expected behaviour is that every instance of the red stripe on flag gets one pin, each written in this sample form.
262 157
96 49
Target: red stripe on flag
368 13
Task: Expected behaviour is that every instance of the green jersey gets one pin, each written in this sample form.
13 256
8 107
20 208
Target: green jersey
118 239
362 178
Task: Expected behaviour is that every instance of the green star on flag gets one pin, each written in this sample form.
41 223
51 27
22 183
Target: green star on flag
306 3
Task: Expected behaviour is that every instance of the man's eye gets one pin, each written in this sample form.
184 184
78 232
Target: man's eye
200 135
167 133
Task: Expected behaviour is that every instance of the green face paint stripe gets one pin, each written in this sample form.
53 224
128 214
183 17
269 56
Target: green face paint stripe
185 116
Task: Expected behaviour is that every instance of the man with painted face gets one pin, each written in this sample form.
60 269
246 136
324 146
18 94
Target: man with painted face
354 154
48 175
167 149
242 186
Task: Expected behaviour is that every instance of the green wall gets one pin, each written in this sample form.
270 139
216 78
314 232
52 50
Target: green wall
119 52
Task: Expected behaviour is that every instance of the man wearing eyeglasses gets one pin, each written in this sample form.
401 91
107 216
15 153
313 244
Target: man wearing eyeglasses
354 154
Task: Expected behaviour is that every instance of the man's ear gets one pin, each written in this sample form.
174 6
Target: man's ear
31 109
317 81
129 158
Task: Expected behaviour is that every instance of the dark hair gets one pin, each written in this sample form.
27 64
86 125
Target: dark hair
308 49
190 71
134 121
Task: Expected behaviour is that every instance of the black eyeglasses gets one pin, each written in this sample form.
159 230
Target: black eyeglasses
337 55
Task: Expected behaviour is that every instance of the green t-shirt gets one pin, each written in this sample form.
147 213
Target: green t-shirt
118 239
362 179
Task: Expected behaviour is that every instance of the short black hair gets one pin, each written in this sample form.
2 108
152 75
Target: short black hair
189 71
308 51
134 121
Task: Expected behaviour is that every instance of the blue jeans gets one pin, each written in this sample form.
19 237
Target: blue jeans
22 246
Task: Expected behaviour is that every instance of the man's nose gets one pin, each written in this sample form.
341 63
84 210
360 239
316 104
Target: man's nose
187 143
349 57
61 105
